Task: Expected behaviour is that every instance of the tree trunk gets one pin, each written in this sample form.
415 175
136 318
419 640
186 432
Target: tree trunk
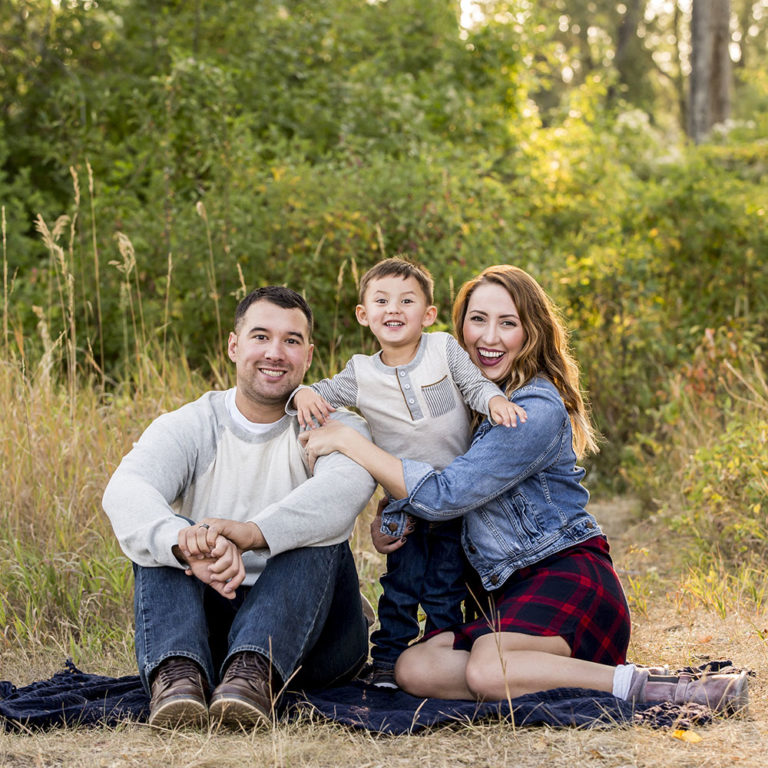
632 60
680 76
710 67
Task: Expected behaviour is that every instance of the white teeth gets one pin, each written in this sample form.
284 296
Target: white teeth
490 354
393 324
271 373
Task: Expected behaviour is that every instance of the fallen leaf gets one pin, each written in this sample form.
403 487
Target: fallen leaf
689 736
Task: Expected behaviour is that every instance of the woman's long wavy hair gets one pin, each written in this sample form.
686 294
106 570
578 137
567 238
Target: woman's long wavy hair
545 351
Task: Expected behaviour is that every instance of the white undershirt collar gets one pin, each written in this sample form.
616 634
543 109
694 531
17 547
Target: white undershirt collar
255 428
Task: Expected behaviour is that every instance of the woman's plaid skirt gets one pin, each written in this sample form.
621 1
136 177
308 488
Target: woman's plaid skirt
574 593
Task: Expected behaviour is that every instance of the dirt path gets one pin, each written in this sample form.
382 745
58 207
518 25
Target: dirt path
616 516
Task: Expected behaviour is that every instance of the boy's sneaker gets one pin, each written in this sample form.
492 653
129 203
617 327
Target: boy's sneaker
383 677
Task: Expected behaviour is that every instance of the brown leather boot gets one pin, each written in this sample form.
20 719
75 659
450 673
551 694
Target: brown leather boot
244 696
722 692
178 694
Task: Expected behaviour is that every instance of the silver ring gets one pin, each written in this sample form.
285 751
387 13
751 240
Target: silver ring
204 525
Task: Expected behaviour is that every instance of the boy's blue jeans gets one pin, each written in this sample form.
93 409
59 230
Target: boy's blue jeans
304 614
428 570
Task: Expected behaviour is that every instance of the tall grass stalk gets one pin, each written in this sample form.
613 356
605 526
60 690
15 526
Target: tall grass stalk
242 289
96 275
65 282
127 267
166 311
337 306
5 291
214 290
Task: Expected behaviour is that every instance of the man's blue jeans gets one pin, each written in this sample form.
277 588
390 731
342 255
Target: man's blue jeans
304 614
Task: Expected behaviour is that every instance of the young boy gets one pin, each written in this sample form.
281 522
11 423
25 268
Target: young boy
414 394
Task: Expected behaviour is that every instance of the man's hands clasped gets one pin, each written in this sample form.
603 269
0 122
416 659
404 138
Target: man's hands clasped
213 551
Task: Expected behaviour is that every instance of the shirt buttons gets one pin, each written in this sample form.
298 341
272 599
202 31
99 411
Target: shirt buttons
402 373
407 386
472 549
494 579
411 401
590 525
392 527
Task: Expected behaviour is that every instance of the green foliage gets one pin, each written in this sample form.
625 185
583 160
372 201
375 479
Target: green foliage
726 487
703 460
198 151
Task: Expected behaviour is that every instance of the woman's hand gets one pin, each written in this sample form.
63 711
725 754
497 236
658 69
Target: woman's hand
334 436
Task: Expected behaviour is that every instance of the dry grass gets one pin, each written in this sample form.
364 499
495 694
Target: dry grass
670 630
320 745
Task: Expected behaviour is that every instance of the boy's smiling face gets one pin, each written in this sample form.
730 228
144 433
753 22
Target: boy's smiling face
396 310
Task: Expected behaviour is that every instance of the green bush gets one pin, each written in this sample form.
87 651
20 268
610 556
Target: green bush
725 487
703 463
335 133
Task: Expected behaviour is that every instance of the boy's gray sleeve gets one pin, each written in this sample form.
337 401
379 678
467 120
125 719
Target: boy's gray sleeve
340 390
322 510
139 495
475 388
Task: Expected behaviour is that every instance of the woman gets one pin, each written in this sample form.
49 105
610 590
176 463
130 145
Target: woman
554 611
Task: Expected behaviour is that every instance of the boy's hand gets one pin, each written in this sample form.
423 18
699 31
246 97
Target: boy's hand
311 406
383 543
502 411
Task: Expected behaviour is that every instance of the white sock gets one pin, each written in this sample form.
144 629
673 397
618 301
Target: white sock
622 679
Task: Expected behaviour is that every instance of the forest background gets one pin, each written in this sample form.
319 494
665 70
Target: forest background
160 158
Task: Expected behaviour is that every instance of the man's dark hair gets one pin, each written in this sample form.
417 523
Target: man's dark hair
278 295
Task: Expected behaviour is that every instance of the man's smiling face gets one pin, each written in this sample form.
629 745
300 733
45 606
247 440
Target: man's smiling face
272 352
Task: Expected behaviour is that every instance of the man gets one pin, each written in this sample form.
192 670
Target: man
244 579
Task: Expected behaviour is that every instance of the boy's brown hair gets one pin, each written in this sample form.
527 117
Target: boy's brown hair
398 267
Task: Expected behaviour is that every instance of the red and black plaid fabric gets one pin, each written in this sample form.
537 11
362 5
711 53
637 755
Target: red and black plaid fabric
575 594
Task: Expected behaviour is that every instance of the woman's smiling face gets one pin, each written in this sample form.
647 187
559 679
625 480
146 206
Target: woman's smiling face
492 330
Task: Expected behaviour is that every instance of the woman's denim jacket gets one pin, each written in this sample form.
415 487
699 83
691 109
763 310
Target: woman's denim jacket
518 489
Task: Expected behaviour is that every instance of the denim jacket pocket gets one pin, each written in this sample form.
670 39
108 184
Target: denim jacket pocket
504 525
527 516
522 522
439 397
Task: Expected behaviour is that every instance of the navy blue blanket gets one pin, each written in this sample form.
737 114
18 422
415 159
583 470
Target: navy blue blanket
72 697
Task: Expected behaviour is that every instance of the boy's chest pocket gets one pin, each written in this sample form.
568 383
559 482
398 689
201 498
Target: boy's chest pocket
439 397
